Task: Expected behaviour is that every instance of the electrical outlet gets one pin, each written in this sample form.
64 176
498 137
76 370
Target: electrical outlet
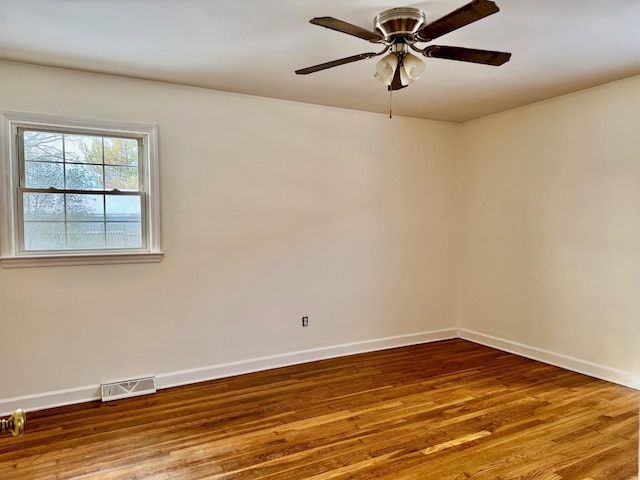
305 321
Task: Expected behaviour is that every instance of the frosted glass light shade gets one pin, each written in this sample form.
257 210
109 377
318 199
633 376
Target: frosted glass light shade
413 66
386 67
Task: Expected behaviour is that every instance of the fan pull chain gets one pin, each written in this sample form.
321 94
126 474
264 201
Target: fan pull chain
390 103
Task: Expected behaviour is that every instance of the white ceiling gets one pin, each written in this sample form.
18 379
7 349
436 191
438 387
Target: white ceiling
254 46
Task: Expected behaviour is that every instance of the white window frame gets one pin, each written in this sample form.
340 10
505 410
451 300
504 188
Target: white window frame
10 220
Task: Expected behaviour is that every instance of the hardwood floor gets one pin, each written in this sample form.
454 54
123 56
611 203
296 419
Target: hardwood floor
446 410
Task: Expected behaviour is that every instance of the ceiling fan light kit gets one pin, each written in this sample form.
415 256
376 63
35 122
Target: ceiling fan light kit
400 29
399 63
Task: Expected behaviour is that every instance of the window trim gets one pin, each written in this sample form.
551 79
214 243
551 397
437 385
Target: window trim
11 256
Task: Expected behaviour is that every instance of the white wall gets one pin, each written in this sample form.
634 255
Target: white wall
550 229
270 210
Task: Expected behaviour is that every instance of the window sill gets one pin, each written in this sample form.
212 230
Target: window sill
79 259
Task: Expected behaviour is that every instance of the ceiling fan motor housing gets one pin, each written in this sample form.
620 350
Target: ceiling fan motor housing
399 22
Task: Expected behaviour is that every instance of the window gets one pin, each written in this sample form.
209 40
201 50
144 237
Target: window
78 192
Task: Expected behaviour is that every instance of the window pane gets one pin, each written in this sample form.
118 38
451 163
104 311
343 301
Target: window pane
85 235
44 235
124 225
124 235
84 177
43 175
124 208
43 207
121 151
42 146
85 207
122 178
83 149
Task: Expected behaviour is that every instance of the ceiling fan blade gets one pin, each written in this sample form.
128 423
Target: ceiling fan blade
335 63
464 15
348 28
487 57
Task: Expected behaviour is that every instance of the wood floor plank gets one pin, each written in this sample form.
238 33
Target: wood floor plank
448 410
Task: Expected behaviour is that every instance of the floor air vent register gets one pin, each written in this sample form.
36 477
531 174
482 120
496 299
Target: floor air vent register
128 388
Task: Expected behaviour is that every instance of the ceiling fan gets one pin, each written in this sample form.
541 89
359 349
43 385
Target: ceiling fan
400 30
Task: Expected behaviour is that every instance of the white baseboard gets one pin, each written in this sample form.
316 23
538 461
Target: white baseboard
602 372
57 398
184 377
89 393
